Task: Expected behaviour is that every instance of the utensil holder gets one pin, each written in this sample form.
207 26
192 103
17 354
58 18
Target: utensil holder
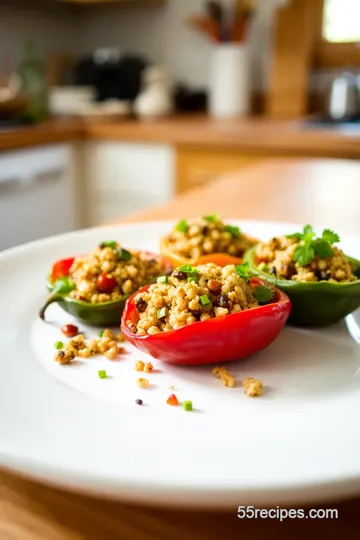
229 82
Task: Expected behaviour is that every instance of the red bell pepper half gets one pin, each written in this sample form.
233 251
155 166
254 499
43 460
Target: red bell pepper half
222 339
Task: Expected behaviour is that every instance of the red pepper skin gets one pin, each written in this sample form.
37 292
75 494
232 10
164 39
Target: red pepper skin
224 339
61 268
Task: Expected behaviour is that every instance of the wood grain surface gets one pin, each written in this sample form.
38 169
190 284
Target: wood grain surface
312 191
252 135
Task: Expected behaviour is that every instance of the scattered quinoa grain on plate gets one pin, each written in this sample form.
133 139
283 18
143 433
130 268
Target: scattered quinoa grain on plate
209 234
187 298
253 387
225 377
305 257
110 273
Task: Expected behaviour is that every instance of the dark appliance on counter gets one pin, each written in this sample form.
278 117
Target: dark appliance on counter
114 76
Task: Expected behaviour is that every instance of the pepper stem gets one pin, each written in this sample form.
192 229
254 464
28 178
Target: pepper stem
52 299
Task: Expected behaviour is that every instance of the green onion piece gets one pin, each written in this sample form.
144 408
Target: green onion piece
233 230
101 333
182 226
163 279
59 345
212 218
111 244
123 255
188 406
102 374
161 313
192 278
204 300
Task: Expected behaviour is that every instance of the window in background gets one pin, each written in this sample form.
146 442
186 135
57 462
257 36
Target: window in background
341 21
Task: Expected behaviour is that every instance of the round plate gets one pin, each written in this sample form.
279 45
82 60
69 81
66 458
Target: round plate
63 425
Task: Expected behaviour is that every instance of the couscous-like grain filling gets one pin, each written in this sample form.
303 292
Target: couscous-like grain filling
190 295
201 236
111 272
304 257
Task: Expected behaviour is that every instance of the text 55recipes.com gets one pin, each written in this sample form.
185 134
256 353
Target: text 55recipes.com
250 512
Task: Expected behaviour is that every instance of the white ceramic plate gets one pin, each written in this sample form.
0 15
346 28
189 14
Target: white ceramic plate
63 425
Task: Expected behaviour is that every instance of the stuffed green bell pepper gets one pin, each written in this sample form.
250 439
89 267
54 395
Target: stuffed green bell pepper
94 288
322 282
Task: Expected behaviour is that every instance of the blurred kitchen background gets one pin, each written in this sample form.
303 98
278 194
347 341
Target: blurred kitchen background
109 107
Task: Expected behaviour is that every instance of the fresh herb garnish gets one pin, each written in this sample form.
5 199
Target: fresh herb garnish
182 226
191 272
161 313
123 255
311 245
205 300
163 279
110 243
63 285
101 333
243 270
330 236
211 218
233 230
264 294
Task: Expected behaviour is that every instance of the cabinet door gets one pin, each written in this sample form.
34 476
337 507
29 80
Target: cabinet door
125 178
197 167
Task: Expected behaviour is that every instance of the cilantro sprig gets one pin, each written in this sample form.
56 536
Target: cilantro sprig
63 285
212 218
182 226
233 230
264 294
311 245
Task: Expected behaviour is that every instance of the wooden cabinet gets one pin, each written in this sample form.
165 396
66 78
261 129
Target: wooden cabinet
199 166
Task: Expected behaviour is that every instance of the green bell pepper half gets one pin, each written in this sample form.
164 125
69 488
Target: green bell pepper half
102 314
314 303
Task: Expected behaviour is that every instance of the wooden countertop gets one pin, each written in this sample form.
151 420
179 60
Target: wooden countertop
256 134
279 189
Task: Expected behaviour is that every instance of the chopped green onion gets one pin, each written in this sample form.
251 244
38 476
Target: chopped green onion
59 345
101 333
102 374
233 230
123 255
163 279
204 300
161 313
212 218
188 406
192 278
111 244
182 226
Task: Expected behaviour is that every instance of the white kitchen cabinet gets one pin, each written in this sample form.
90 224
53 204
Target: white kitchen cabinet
37 196
122 178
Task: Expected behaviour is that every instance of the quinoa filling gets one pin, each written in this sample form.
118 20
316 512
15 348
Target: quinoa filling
110 273
209 234
191 295
298 258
